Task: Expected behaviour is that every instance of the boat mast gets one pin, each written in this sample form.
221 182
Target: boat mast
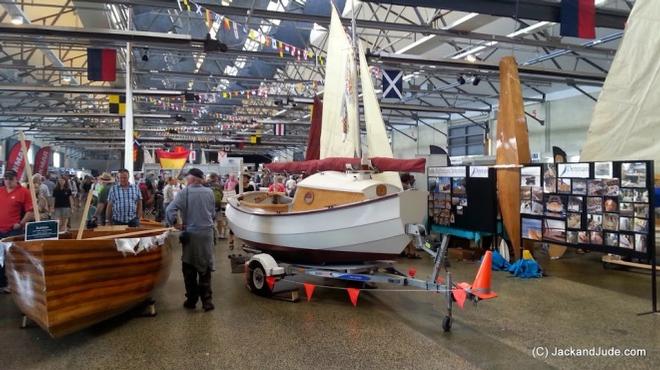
356 62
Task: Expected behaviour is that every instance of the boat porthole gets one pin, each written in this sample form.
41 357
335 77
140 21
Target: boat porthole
309 197
381 190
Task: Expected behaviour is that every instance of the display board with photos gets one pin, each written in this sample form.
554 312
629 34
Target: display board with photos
604 206
464 197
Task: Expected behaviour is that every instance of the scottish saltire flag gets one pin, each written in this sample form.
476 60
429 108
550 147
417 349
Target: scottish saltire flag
279 129
101 64
578 18
393 84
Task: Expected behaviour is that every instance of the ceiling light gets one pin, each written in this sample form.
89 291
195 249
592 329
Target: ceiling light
471 58
17 20
476 80
461 80
145 55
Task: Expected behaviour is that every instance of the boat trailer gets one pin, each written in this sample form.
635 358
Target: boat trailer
262 266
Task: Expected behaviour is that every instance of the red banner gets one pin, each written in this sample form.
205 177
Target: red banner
41 161
16 162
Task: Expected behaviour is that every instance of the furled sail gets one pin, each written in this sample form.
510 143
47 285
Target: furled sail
377 143
625 123
340 130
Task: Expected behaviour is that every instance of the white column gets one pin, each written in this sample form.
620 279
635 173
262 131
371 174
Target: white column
128 120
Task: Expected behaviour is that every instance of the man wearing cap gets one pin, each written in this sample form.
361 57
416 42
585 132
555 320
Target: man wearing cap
102 189
17 211
124 205
197 206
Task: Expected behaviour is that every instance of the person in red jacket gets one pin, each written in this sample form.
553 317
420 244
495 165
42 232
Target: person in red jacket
277 186
17 211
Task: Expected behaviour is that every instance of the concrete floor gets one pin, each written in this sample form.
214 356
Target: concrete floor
579 304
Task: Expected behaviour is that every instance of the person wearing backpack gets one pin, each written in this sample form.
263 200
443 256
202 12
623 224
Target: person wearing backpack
214 184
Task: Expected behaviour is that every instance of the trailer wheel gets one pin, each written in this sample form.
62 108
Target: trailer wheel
257 280
446 324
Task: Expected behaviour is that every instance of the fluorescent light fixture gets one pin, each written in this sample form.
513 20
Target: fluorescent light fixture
460 21
529 29
471 58
17 20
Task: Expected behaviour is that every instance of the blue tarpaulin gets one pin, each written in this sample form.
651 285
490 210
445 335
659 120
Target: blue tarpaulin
526 269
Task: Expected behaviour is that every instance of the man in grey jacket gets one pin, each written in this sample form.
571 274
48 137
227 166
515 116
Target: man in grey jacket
197 206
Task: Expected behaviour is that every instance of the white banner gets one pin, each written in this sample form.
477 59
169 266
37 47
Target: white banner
479 171
579 170
452 171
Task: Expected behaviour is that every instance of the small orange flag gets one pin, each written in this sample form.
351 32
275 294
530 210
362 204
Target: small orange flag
353 294
309 290
412 272
459 295
270 280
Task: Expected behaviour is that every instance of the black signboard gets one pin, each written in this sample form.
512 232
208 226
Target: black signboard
42 230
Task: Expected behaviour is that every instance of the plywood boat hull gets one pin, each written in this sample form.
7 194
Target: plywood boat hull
362 231
66 285
512 148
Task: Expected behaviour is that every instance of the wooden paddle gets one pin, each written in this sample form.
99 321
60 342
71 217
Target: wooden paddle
83 220
128 235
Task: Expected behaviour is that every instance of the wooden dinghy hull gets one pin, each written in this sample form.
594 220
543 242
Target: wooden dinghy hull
66 285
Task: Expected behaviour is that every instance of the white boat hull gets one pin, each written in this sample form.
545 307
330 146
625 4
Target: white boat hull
363 231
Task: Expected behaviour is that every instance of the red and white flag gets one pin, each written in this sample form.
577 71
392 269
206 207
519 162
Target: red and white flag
279 129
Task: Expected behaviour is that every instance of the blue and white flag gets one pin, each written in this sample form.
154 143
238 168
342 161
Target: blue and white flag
393 84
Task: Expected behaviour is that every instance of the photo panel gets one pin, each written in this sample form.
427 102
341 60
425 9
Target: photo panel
575 204
555 205
612 187
443 185
531 228
596 237
572 237
574 221
579 187
633 175
537 194
611 204
458 186
596 187
641 243
612 239
564 186
641 210
594 222
583 237
611 221
626 241
627 195
640 225
537 208
626 209
530 176
549 178
525 192
625 224
603 170
594 204
554 230
641 195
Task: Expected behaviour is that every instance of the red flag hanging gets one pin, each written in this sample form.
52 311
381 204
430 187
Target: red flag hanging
270 280
309 290
41 161
353 294
101 64
16 161
459 295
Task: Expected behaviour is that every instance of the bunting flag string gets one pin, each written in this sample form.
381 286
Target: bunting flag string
255 35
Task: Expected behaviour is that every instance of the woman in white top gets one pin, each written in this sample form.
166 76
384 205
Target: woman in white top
170 191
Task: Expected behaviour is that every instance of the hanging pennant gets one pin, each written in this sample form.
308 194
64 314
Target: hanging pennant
309 290
353 294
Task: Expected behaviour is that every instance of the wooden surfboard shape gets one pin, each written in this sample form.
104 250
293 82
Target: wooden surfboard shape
512 148
66 285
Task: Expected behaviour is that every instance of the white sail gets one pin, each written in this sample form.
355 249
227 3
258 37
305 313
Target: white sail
625 123
340 130
377 143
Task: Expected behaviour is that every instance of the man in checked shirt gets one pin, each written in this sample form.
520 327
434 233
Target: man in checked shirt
124 203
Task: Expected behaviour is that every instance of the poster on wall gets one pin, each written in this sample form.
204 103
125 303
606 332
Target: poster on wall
603 206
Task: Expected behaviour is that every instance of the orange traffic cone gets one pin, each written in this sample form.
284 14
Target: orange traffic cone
481 285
